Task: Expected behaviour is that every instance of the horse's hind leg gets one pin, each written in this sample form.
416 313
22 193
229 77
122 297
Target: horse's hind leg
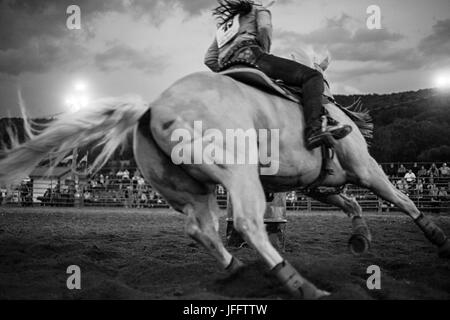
373 177
359 242
183 193
202 223
203 226
248 200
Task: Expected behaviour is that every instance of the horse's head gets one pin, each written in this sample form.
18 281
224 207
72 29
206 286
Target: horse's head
324 64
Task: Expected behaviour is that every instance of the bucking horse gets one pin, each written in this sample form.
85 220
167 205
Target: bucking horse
243 99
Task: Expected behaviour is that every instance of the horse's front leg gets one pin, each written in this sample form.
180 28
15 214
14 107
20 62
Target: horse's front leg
359 242
248 200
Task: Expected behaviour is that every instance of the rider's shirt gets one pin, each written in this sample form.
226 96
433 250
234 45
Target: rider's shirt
256 25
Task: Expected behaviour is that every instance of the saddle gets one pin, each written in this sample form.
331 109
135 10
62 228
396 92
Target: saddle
257 79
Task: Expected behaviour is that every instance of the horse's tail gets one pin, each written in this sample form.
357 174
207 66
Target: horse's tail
107 122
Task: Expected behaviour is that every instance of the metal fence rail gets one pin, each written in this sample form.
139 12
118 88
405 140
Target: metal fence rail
128 189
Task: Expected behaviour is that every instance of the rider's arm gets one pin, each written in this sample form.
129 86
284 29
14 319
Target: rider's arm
212 57
264 21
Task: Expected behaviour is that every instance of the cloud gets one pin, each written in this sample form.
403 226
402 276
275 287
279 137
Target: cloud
338 37
437 44
375 36
121 56
32 58
34 37
356 51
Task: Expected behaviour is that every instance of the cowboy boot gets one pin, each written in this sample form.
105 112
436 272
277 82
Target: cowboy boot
315 136
337 130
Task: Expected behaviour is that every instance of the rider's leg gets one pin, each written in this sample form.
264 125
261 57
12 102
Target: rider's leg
312 83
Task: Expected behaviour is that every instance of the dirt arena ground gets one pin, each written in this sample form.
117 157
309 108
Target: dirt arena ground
144 254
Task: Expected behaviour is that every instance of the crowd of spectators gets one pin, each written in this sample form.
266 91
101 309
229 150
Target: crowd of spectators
426 184
120 189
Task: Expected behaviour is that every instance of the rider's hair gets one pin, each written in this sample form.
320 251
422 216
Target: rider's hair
227 9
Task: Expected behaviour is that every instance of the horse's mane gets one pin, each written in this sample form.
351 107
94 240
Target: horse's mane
361 117
227 9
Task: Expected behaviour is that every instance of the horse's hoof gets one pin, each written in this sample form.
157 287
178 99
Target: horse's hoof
235 266
322 294
308 291
358 244
295 284
444 250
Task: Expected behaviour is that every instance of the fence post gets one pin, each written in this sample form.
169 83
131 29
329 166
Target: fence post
308 204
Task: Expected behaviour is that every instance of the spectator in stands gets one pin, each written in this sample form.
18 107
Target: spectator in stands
119 175
433 171
126 175
87 196
391 170
143 200
291 197
46 198
434 197
141 183
442 194
422 172
220 189
410 177
401 171
433 191
93 182
419 188
445 171
134 181
107 181
402 185
430 183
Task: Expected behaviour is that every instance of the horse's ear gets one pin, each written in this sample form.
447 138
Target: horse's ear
325 63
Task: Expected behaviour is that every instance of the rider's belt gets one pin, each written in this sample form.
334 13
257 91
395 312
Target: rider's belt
245 53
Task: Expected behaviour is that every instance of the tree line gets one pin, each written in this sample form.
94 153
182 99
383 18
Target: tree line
409 126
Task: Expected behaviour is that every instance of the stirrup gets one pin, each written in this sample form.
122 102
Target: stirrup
316 140
340 131
337 130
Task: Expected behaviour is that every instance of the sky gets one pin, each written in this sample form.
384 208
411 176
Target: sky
143 46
